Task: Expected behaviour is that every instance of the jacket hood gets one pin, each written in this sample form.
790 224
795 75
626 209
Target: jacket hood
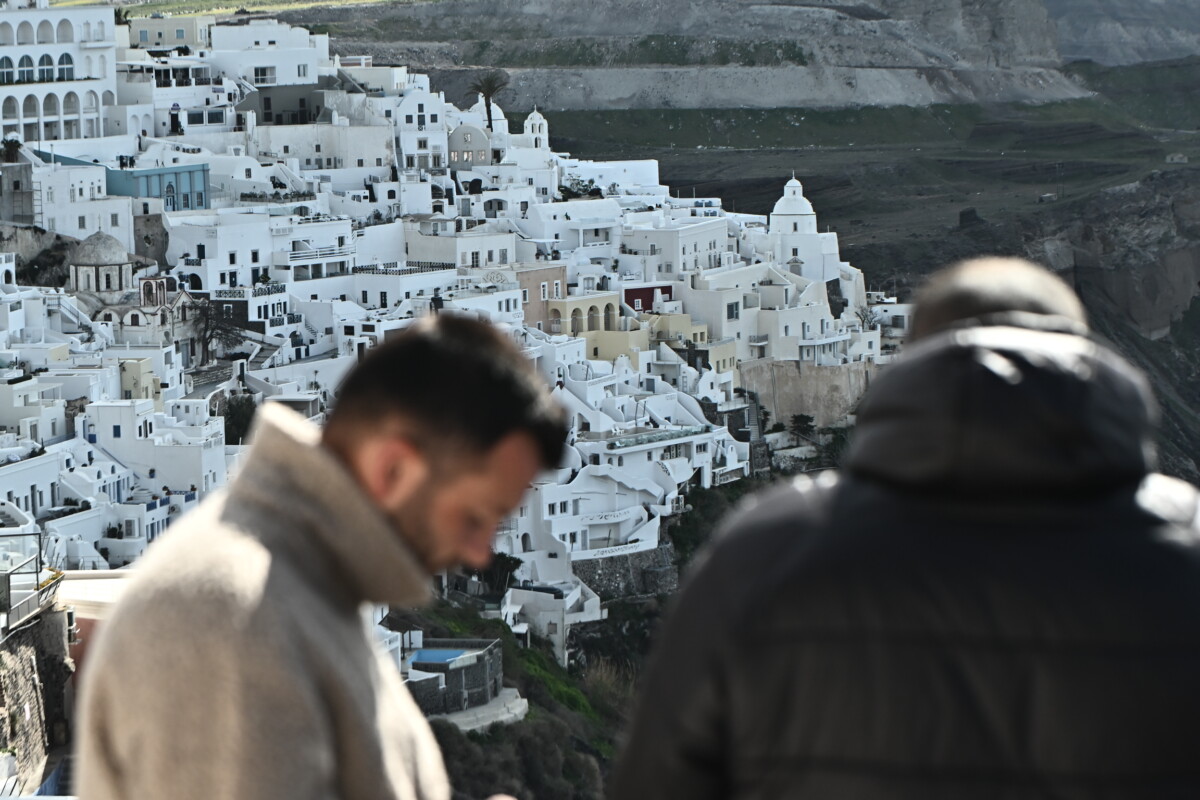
981 410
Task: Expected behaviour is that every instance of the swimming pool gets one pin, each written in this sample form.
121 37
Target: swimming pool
436 656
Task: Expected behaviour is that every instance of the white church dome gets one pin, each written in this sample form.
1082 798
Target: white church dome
793 200
100 250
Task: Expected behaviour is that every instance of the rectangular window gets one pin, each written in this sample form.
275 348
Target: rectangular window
302 70
433 118
233 258
544 290
557 290
503 255
422 144
115 220
550 510
317 148
116 431
408 119
732 311
360 162
524 295
82 223
195 117
562 507
216 117
179 33
143 36
264 76
253 256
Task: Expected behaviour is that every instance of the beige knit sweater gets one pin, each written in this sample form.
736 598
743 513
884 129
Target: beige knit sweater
238 666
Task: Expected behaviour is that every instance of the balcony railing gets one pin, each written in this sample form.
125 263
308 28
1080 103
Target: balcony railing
320 253
638 439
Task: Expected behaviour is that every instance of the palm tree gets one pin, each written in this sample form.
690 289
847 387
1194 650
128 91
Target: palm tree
487 86
12 149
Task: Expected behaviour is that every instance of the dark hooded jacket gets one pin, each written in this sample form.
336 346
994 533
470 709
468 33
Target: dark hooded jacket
994 599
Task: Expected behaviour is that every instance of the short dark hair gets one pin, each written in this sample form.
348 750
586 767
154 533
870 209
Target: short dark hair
456 381
996 290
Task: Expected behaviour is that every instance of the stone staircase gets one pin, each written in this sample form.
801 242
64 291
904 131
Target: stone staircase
262 357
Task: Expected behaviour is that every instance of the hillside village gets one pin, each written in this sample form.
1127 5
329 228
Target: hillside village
197 214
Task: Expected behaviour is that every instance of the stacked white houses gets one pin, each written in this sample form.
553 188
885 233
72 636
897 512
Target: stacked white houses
241 215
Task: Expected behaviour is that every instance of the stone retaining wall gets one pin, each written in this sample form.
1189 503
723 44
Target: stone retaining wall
648 572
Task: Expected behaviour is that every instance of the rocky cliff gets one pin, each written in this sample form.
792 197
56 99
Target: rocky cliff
1133 254
723 53
1126 31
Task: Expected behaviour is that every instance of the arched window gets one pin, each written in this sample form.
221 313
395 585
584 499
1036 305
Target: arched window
24 33
66 33
6 33
71 103
30 108
66 68
6 71
45 32
50 106
25 70
135 319
45 69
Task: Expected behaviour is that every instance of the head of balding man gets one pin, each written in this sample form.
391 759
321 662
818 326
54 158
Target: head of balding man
994 290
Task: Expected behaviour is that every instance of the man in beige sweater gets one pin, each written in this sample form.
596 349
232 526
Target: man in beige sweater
238 664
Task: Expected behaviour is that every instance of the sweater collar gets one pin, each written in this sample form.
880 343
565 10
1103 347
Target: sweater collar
309 493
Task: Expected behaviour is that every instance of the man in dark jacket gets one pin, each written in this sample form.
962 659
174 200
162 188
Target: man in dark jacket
995 598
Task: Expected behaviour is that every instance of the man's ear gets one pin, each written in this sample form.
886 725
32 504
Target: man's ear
391 469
